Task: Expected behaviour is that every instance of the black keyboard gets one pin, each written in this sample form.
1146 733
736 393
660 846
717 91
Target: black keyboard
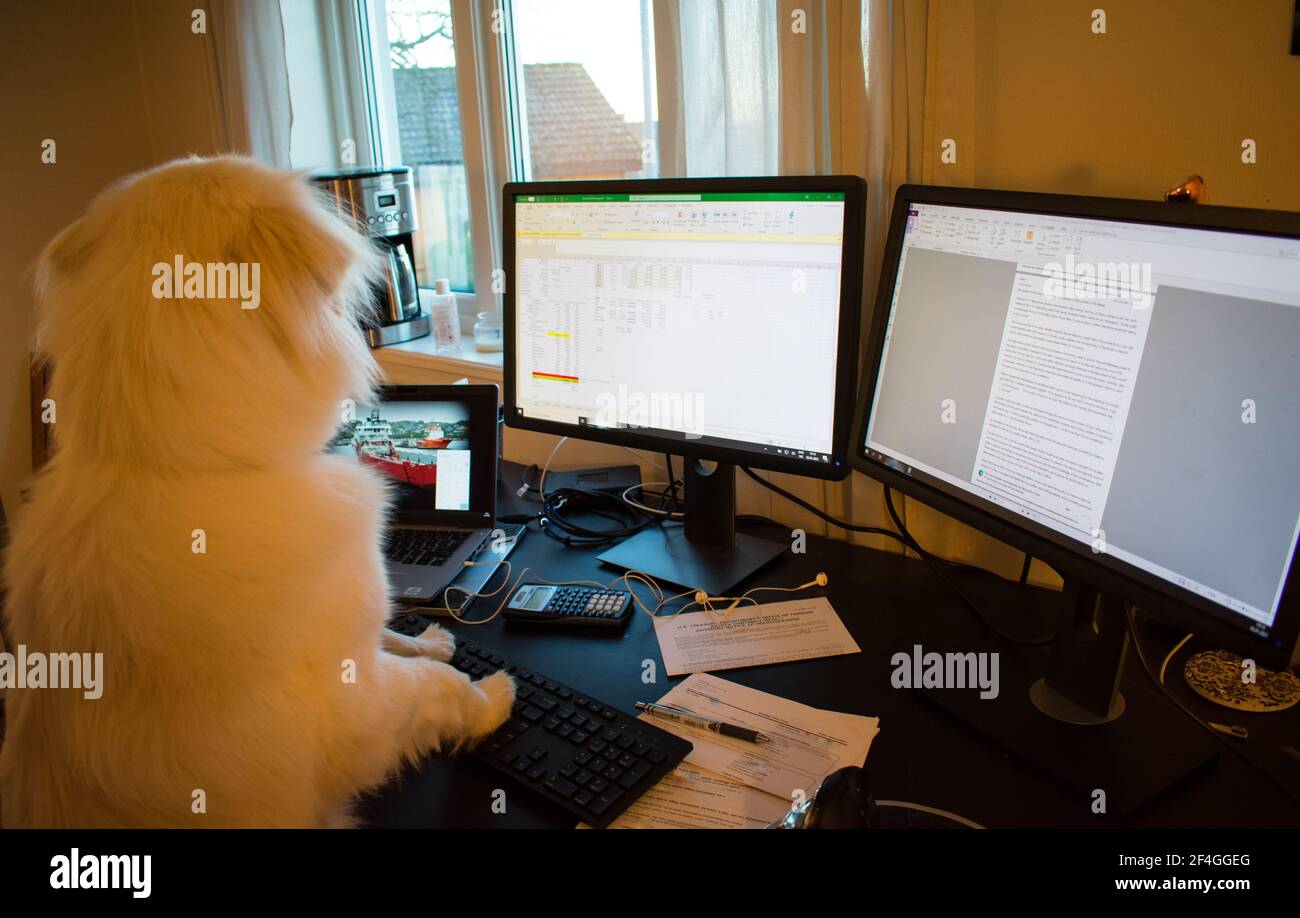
576 751
424 546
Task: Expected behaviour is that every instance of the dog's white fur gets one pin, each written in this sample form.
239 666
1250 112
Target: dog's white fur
226 671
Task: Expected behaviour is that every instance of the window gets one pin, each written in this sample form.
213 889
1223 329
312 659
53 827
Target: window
587 109
422 61
471 94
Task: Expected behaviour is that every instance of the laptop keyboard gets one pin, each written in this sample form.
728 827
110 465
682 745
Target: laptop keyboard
424 546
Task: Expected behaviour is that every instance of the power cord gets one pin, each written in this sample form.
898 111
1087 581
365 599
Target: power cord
1131 619
905 537
933 561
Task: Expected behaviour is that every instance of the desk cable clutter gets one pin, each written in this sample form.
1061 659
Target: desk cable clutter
698 598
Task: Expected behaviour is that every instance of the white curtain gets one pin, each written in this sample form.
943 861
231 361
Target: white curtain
797 87
718 87
251 78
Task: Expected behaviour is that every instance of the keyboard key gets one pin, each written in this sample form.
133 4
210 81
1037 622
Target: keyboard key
562 786
633 776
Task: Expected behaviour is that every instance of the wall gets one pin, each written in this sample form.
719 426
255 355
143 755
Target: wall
1034 98
119 87
1036 101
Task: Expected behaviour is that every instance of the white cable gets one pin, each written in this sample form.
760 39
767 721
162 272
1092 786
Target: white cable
1165 664
626 578
904 805
541 482
673 515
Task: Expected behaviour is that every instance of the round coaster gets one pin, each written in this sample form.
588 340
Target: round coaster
1216 675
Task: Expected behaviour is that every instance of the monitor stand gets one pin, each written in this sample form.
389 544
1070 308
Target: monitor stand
705 553
1074 723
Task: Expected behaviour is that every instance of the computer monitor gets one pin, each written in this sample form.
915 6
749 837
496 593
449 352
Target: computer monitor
1112 387
716 319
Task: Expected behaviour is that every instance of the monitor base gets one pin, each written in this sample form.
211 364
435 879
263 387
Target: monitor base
667 555
1131 758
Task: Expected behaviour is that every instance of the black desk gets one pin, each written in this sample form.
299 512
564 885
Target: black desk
922 754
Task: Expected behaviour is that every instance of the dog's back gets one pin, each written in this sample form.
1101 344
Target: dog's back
189 527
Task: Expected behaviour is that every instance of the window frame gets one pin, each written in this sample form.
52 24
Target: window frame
483 149
493 116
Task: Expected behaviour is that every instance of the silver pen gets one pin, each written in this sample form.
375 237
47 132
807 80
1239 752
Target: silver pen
681 716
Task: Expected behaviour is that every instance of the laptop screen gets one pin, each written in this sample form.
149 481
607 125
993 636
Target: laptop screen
421 447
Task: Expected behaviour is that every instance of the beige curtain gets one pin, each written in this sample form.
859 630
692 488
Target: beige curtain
251 78
855 87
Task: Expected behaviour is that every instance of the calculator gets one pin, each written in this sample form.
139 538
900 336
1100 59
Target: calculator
569 605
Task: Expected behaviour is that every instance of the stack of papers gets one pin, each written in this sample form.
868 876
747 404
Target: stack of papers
728 783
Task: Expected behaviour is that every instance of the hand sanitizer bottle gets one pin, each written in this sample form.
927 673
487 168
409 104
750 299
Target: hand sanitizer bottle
445 318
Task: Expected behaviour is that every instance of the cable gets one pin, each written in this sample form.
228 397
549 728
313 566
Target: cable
670 514
966 600
1131 619
699 598
672 478
800 502
1024 568
905 537
541 482
921 808
912 543
1169 656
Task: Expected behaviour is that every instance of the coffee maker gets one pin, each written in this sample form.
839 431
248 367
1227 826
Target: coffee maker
381 203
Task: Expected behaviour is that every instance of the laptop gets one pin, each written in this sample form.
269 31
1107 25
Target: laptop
437 447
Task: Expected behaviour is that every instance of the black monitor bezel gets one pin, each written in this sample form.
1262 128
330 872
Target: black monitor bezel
484 438
1151 593
854 189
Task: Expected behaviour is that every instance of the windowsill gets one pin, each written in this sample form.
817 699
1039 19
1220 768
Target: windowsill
420 354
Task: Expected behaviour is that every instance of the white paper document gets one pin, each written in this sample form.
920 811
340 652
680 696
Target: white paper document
691 798
731 783
777 632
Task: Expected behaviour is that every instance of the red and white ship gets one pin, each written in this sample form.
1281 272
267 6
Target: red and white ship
434 438
373 442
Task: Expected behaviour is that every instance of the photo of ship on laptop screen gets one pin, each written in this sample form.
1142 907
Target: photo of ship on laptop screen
422 446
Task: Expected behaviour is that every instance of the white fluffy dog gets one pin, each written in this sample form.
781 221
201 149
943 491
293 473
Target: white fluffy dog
192 530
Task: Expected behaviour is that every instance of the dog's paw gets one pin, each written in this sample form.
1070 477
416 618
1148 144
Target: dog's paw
499 697
436 643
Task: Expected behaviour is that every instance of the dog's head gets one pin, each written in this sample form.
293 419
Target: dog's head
205 314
